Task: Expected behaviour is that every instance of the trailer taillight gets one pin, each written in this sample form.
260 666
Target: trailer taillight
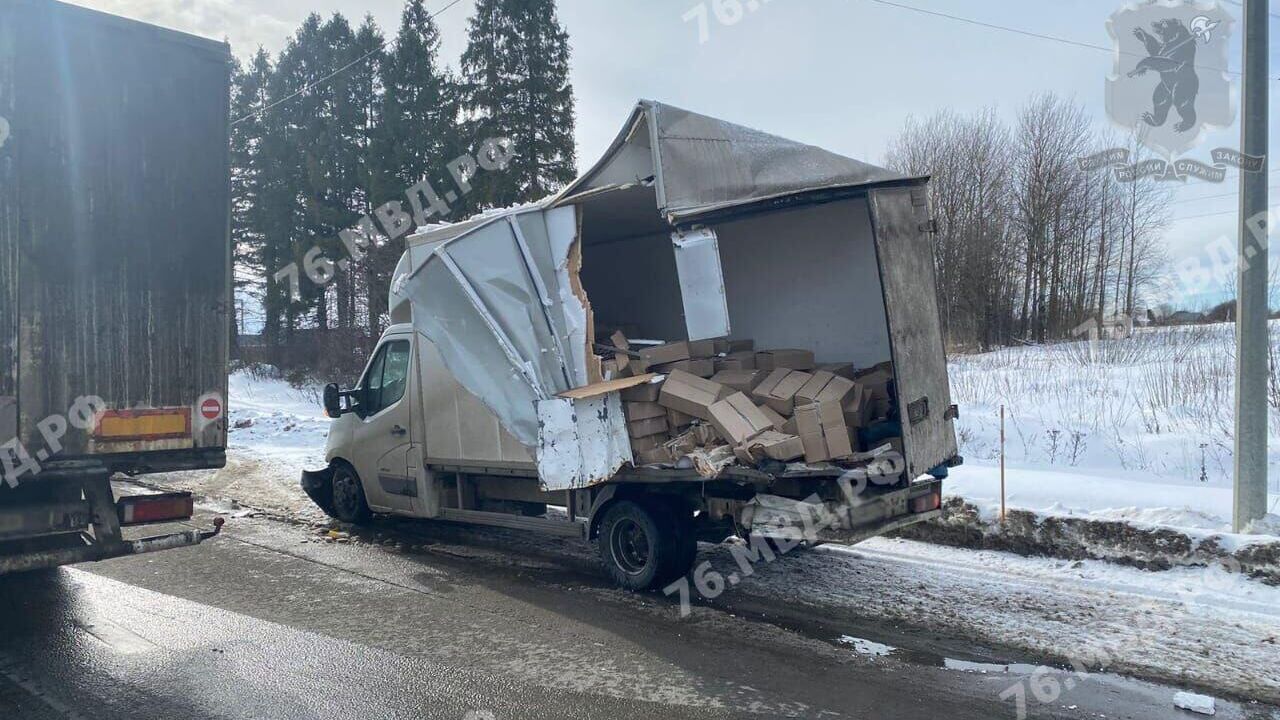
163 507
927 503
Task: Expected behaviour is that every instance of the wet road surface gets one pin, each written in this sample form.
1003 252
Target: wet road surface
446 622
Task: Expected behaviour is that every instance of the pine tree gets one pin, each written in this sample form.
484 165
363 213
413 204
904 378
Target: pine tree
421 100
516 85
376 180
248 179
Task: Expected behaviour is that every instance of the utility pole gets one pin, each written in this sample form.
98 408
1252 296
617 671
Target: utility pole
1251 316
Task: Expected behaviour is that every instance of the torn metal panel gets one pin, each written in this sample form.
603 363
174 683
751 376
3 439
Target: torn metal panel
581 440
706 310
701 164
502 305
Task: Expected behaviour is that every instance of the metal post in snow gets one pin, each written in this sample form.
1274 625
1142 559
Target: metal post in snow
1002 505
1251 316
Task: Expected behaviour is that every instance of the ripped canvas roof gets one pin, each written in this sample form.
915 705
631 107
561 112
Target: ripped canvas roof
701 164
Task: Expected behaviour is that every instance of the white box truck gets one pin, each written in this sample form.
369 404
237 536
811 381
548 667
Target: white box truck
484 402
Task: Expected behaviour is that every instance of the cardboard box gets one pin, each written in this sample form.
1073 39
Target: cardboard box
747 359
691 394
702 348
740 380
648 392
736 361
661 354
779 389
703 435
648 442
809 429
834 430
776 421
723 364
722 346
788 358
774 445
736 346
654 456
645 428
678 421
827 387
609 369
859 409
737 419
643 410
619 341
823 432
702 367
789 427
849 371
877 380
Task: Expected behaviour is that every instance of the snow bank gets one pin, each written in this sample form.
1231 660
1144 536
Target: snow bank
1138 429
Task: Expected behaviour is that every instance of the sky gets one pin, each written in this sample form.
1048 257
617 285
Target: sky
840 74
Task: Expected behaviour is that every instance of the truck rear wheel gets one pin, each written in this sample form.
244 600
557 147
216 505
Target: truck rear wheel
349 504
638 545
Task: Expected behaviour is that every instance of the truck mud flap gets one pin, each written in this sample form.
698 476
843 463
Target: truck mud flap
318 485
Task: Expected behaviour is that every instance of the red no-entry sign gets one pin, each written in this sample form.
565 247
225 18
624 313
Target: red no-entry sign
211 409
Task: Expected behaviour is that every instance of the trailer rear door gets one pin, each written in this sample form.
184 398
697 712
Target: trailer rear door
8 244
904 247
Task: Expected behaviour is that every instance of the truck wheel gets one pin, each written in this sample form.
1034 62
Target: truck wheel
349 504
685 545
637 545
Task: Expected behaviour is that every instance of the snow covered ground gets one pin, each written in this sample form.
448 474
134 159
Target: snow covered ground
1205 629
1136 429
276 431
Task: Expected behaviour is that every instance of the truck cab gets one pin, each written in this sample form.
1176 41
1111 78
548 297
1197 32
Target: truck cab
373 435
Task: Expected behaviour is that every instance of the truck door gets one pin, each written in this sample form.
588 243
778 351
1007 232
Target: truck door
384 439
904 246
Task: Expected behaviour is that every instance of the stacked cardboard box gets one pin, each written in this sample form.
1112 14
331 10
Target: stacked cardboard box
769 405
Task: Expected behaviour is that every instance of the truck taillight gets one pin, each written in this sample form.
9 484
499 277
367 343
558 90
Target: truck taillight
927 503
164 507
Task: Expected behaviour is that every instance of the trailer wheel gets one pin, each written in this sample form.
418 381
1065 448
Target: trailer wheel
349 504
637 545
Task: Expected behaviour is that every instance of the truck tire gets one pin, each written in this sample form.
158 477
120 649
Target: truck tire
685 542
638 545
349 503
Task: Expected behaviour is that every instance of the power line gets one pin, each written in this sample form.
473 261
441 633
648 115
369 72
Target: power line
1212 214
1216 196
1237 3
1026 33
307 88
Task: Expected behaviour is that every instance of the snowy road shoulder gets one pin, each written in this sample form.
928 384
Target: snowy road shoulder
1205 630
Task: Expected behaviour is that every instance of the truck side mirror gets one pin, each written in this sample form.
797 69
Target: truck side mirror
332 400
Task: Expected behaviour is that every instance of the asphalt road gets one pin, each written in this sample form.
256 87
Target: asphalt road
425 620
